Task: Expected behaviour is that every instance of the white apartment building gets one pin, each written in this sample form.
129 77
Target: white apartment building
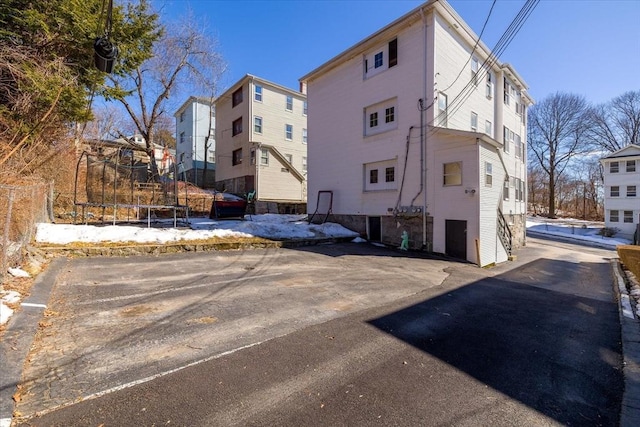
621 185
262 143
195 140
418 128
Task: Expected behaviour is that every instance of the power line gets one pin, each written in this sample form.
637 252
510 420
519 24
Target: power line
491 59
475 46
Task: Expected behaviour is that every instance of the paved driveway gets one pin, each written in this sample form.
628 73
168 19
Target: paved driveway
332 335
113 321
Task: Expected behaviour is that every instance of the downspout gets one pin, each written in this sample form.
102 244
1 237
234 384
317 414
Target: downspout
250 89
423 139
194 145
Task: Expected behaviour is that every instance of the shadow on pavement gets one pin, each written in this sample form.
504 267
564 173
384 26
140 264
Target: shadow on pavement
557 352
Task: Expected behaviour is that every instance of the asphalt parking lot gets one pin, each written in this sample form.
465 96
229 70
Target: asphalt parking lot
345 334
111 321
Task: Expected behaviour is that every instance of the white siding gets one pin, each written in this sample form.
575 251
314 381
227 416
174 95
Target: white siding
337 148
491 249
431 53
622 179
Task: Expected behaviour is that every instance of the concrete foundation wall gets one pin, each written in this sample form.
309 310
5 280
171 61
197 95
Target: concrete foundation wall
391 228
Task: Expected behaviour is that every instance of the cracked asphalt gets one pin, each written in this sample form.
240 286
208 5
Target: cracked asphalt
345 334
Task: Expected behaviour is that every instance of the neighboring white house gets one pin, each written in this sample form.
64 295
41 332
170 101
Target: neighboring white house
164 157
262 143
621 186
418 129
195 140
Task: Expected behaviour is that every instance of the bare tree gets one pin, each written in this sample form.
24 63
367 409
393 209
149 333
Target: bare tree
109 122
165 131
557 132
183 58
617 123
537 194
588 174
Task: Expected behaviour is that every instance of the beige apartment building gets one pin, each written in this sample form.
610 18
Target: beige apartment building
261 144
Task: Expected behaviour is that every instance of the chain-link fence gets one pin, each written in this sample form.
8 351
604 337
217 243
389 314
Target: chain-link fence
21 208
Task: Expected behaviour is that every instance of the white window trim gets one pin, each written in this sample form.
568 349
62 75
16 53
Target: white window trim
256 94
445 175
254 124
380 109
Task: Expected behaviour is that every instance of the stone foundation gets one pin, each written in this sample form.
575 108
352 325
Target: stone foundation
391 228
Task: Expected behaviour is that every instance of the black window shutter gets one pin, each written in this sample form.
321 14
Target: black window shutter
393 53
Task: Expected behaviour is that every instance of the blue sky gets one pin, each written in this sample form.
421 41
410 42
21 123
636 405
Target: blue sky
587 47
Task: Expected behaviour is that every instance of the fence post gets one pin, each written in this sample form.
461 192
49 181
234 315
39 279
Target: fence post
7 228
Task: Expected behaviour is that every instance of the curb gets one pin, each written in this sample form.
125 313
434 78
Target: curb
19 336
160 249
630 333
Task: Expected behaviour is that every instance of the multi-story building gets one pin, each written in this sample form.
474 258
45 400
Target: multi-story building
195 140
621 190
262 144
419 128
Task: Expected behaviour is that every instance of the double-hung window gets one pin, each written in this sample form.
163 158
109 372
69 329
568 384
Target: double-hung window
257 124
614 167
631 191
289 105
631 165
378 60
614 216
614 191
488 128
628 217
288 132
236 98
258 93
518 145
304 136
488 174
474 71
505 189
452 174
236 127
506 137
264 156
474 121
443 105
236 157
507 88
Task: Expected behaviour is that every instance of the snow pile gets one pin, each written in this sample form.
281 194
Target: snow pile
268 226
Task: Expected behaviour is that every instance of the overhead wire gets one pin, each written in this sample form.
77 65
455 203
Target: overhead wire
475 46
491 59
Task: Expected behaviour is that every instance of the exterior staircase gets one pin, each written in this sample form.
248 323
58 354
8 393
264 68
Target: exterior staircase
504 233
